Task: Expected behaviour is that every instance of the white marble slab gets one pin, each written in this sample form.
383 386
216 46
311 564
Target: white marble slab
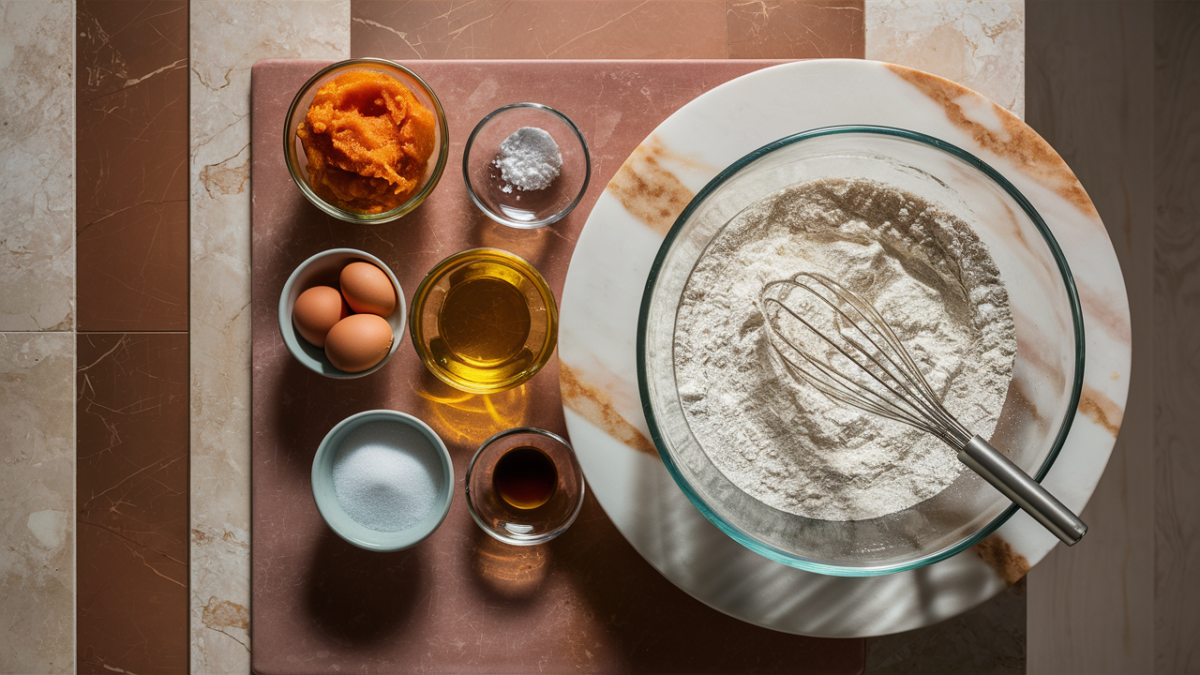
227 38
601 301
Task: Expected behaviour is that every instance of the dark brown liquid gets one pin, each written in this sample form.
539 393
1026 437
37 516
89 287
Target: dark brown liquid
525 477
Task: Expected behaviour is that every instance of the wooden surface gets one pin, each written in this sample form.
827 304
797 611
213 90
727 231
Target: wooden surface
1113 87
1089 94
1175 342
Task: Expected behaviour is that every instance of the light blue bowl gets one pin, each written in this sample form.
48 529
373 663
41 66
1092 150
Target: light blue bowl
322 270
411 434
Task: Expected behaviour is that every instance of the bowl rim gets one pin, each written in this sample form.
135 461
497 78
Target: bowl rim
439 270
528 224
292 160
445 496
285 312
779 555
516 540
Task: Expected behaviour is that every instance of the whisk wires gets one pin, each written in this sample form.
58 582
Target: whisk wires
810 314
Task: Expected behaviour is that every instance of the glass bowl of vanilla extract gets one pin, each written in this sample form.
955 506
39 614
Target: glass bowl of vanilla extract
524 486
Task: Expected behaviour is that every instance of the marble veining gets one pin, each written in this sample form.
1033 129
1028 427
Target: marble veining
37 489
765 29
979 44
649 191
595 405
37 165
532 29
227 38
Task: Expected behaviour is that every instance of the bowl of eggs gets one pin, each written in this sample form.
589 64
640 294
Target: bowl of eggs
342 313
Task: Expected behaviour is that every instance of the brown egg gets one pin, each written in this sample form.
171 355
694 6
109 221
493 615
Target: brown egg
358 342
316 311
368 289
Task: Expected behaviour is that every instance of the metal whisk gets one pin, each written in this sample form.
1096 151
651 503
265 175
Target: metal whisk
833 339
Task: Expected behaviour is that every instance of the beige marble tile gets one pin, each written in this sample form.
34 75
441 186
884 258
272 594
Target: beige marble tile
977 43
227 38
37 503
37 165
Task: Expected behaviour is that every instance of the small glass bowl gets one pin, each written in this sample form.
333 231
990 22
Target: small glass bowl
402 431
524 527
323 269
293 149
474 366
525 209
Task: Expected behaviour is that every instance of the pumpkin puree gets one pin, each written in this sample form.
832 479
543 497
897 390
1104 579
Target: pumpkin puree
368 140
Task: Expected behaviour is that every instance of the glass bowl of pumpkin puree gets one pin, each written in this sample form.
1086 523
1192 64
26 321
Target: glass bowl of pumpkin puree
366 140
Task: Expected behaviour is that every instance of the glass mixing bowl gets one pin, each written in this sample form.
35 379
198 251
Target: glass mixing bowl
1047 374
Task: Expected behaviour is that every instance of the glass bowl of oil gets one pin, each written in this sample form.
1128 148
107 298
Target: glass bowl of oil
484 321
524 486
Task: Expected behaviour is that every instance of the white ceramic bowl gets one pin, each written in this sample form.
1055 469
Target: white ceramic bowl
322 270
413 435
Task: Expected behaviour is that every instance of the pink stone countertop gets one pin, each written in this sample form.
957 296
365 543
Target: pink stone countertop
461 602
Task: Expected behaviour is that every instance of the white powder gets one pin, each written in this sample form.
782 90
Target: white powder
529 159
386 476
781 441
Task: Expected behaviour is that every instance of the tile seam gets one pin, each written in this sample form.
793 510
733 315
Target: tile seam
73 21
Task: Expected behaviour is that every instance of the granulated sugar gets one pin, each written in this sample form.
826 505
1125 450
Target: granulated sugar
529 159
386 476
786 444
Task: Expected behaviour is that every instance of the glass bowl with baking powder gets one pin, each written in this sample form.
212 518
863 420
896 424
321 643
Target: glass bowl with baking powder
526 165
784 471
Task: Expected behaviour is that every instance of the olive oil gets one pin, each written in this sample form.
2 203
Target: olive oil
525 477
486 320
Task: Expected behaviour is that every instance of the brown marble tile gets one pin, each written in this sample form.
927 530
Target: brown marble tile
534 29
795 29
460 602
132 151
132 502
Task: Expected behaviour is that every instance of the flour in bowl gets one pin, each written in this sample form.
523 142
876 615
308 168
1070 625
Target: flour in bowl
784 443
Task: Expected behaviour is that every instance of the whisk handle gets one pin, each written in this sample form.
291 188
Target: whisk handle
1024 491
